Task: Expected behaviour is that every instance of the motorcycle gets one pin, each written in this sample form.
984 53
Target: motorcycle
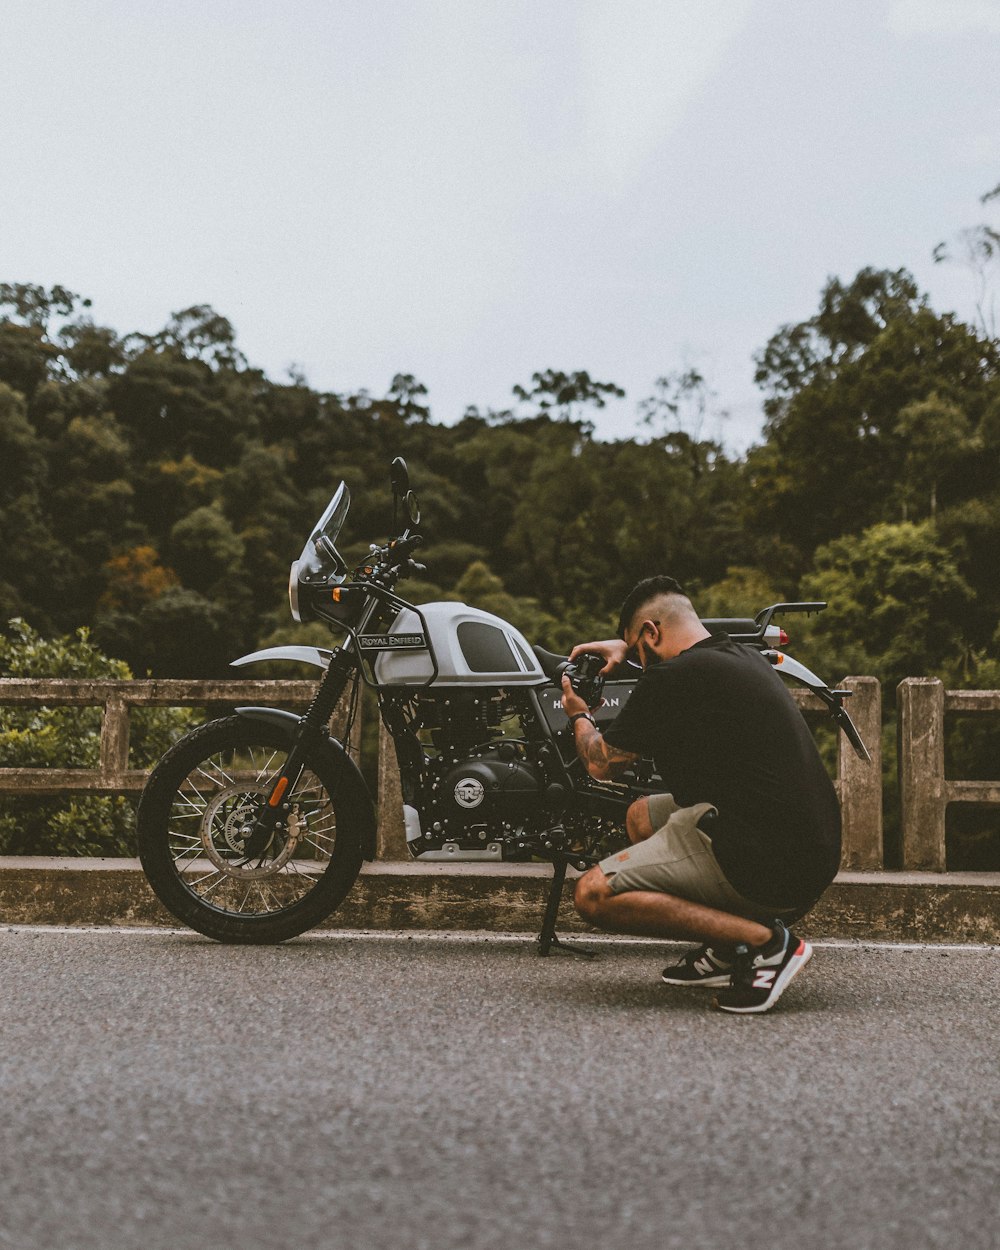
253 828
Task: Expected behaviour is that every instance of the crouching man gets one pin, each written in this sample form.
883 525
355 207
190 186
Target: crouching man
747 838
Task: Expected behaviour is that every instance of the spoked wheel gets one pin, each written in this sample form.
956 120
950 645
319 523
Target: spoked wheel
197 812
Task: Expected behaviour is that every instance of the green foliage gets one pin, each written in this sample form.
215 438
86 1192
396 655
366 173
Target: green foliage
938 443
837 386
69 737
563 393
742 592
157 486
204 546
896 599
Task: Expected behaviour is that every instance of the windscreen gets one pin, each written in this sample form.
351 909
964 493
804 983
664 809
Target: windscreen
319 556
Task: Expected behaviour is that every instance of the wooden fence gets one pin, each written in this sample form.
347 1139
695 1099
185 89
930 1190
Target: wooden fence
924 791
113 774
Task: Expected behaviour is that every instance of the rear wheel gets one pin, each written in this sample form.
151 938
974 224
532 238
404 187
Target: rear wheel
199 807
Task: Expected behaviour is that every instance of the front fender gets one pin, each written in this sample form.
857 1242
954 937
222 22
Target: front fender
317 656
354 802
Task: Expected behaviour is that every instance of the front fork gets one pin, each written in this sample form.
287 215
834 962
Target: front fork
312 728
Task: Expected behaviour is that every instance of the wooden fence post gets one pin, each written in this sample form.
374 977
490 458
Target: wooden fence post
391 839
921 772
115 730
860 784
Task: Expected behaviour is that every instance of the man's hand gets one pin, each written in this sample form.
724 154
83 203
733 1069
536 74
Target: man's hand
613 650
600 760
571 701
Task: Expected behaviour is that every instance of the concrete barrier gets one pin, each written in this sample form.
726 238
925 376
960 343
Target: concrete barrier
880 906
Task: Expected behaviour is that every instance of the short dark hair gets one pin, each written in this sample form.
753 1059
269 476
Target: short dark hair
648 588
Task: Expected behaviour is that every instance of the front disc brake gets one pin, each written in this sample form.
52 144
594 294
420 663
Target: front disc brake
227 825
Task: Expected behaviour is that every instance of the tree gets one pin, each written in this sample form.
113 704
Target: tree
172 405
562 394
135 578
91 350
27 352
743 591
898 602
204 546
937 437
681 402
181 633
407 393
35 306
199 333
977 249
837 385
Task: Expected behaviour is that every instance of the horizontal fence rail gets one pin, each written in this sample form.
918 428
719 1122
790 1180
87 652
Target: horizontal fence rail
924 791
113 774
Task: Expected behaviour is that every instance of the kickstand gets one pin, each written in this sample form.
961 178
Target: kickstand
548 942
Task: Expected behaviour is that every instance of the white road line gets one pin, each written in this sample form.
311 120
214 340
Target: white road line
478 935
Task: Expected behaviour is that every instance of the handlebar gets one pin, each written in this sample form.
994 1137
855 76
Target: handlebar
387 564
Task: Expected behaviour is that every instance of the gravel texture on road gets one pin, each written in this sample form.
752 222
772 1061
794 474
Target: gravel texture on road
352 1090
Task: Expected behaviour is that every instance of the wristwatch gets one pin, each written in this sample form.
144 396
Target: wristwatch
582 716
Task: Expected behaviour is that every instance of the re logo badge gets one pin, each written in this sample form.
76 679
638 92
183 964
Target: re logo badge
469 792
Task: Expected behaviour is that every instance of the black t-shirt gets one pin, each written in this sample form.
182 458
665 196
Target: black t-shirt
722 728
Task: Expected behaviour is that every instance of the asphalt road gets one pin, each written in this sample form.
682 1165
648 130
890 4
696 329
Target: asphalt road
367 1092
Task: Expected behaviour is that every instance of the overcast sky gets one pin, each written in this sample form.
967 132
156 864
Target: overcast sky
473 190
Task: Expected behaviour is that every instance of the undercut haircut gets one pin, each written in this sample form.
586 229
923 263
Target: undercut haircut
649 588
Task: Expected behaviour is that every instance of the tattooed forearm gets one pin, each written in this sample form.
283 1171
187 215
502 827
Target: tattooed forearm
603 762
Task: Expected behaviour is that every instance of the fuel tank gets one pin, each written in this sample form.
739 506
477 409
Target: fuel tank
472 647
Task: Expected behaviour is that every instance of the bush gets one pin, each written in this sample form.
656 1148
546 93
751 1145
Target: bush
69 737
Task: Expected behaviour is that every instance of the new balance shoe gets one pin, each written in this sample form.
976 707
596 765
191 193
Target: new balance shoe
702 966
761 974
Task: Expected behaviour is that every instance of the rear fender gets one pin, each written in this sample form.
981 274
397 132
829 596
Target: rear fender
792 668
354 802
832 698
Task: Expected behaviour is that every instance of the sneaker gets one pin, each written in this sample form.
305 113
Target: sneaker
702 966
762 974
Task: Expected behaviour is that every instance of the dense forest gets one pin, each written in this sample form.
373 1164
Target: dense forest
156 488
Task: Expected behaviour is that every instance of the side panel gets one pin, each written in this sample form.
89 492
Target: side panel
616 695
353 800
473 648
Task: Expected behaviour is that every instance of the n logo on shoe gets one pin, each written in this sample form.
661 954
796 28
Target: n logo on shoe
764 978
704 966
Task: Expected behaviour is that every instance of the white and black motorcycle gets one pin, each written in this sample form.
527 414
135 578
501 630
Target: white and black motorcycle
254 827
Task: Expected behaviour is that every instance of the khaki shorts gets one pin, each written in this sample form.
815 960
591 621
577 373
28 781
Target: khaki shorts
678 859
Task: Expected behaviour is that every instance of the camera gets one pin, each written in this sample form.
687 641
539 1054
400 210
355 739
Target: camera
586 678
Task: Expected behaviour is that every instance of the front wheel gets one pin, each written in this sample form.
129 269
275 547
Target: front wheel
196 812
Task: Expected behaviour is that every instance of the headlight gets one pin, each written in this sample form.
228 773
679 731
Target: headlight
293 590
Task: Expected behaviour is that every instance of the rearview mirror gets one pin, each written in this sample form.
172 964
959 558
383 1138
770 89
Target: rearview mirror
399 477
